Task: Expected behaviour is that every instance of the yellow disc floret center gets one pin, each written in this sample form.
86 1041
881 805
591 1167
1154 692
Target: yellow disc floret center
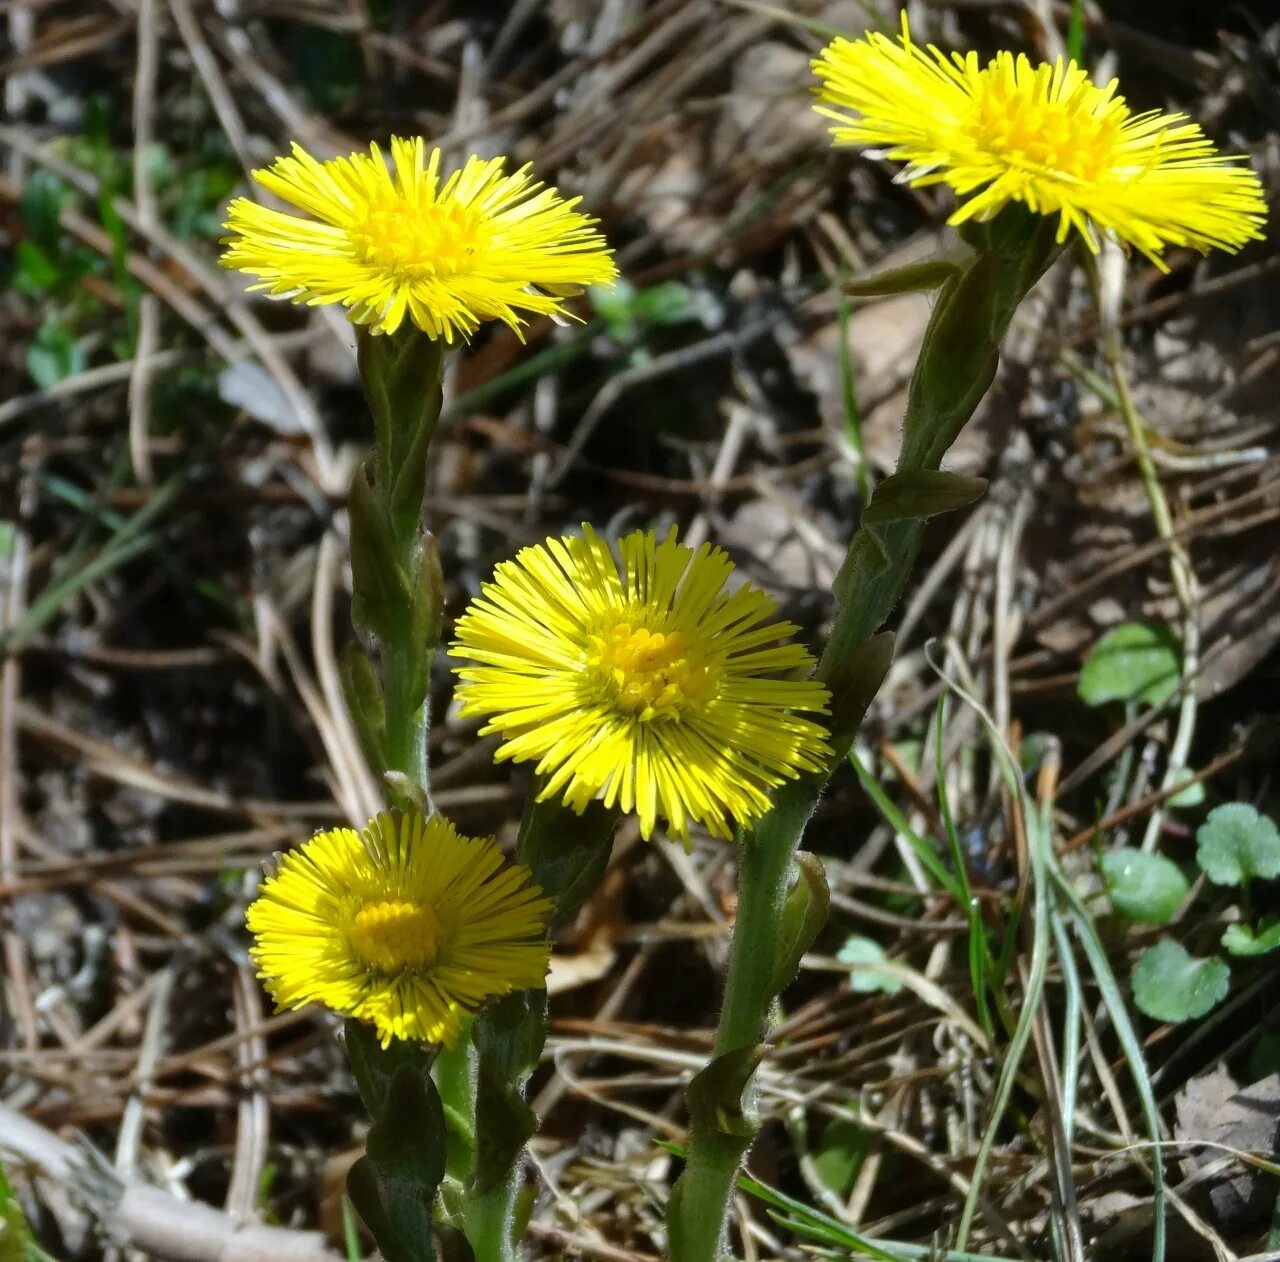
1074 136
395 934
413 240
649 674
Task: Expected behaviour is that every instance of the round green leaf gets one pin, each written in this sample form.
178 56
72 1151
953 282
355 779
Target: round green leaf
1145 887
1242 940
864 977
1236 844
1170 984
840 1153
1132 662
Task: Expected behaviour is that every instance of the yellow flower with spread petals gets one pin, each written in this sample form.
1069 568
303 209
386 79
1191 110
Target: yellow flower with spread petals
405 925
447 252
1043 135
641 681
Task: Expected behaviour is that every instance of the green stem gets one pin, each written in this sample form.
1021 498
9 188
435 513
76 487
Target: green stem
407 723
956 366
455 1074
567 853
398 599
491 1222
700 1200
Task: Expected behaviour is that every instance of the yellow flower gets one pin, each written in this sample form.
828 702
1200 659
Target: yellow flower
643 685
1043 135
406 925
448 253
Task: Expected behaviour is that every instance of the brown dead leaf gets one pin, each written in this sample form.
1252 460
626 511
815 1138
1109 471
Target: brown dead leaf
568 972
1214 1108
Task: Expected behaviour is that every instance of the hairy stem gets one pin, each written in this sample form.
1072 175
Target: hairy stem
491 1223
956 366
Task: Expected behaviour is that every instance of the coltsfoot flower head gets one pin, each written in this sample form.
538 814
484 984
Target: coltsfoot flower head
1044 135
447 252
405 925
640 681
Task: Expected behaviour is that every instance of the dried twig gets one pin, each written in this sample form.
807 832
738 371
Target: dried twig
146 1218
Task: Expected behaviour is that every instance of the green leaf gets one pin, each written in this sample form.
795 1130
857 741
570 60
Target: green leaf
627 311
54 354
840 1154
957 362
1145 887
426 616
716 1094
509 1037
615 303
393 1186
510 1033
567 852
380 588
1244 940
44 197
854 679
418 412
401 374
1133 662
504 1124
864 954
1264 1060
865 561
1236 844
36 273
374 1066
668 303
16 1244
920 494
915 278
1170 984
803 914
363 693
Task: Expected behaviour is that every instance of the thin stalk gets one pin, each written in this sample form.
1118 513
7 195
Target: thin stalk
923 847
706 1186
1038 836
1130 1043
1071 1025
956 366
567 853
398 598
1183 576
981 962
1180 570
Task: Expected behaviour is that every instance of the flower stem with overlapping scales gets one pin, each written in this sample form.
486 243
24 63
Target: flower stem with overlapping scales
398 596
780 902
419 258
1021 145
